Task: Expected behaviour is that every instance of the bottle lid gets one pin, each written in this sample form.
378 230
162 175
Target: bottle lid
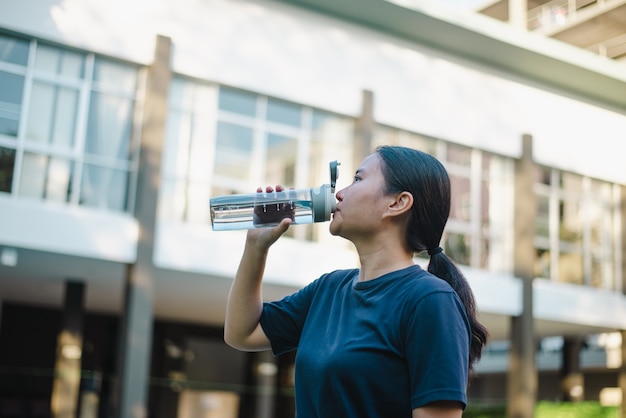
334 173
323 198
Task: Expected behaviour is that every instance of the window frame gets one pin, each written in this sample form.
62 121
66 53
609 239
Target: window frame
85 86
610 253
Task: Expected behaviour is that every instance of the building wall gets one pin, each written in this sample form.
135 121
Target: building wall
491 111
421 96
417 88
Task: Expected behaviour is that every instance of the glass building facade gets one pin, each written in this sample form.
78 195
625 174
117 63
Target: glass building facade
66 128
71 136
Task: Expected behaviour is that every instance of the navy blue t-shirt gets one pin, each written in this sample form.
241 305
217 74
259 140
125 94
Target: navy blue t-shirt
376 348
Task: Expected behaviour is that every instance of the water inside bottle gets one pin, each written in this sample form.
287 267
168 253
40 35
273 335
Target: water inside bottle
234 212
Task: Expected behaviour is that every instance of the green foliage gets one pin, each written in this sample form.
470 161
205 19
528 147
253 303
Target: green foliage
549 410
575 410
485 412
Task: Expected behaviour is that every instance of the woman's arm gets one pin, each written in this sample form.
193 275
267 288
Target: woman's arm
442 409
245 302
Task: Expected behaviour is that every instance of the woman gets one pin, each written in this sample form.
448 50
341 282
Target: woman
385 340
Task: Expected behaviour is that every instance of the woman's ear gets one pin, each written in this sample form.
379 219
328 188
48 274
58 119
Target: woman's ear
402 203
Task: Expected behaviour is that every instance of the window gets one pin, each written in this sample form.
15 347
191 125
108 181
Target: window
10 102
573 234
7 164
52 114
331 137
462 237
188 155
480 182
66 125
258 141
282 152
109 146
222 140
233 150
458 247
13 60
13 50
237 101
46 177
283 112
479 212
60 62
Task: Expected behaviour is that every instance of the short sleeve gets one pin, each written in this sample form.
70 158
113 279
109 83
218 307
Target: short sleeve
437 349
283 320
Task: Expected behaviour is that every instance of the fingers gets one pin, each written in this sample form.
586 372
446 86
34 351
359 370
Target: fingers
283 226
279 230
266 237
270 189
270 210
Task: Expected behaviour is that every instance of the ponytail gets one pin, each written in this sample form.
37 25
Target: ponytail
424 176
441 266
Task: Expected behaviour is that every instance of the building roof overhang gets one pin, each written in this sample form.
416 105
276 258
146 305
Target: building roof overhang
538 60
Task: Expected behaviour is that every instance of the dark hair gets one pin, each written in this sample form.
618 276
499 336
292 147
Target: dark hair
422 175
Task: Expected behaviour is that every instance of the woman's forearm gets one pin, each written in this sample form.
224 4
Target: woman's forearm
245 303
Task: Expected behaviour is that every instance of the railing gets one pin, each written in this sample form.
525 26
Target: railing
558 12
614 48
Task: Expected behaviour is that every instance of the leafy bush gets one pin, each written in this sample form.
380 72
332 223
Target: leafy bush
575 410
546 409
485 412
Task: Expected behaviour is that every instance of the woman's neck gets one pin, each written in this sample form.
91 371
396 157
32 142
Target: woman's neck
379 258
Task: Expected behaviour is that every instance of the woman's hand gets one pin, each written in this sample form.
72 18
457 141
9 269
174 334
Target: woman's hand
263 238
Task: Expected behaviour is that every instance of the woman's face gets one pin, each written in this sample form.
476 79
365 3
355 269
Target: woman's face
360 205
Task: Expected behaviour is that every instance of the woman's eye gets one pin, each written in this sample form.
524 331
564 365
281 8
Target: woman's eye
356 178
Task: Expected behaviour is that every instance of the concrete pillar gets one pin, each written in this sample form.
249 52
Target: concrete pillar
572 380
622 370
266 371
518 13
622 376
137 320
67 369
364 130
522 374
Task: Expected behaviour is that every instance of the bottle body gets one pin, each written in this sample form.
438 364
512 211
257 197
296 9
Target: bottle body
260 210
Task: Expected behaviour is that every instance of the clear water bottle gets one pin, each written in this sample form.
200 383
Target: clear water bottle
262 209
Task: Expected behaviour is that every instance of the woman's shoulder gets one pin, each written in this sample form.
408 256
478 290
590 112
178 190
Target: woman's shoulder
420 281
332 281
425 292
339 276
